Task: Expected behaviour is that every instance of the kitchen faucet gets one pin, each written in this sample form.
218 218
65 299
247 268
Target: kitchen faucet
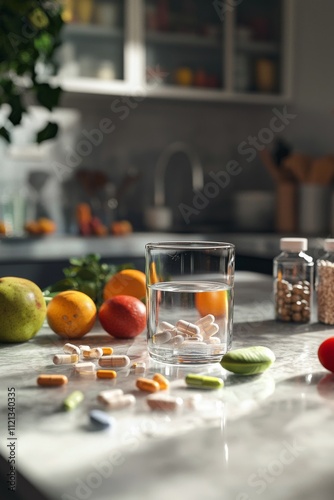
162 164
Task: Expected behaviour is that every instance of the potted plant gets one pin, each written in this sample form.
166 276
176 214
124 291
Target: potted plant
29 36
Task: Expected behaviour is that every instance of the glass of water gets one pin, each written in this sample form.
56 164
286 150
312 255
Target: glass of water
190 296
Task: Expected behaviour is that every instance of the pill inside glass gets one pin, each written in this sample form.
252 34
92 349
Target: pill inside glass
190 297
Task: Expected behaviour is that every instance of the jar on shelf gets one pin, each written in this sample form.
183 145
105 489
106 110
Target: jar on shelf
325 284
293 272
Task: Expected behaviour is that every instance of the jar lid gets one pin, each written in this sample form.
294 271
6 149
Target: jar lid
294 244
329 245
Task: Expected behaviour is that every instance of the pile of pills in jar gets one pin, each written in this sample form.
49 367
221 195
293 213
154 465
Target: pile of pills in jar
325 292
292 301
187 334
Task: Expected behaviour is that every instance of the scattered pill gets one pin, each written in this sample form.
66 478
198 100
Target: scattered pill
139 366
94 353
84 348
85 366
162 337
162 381
71 349
107 351
52 380
248 360
73 400
164 325
203 381
115 361
106 374
148 385
117 403
205 321
106 396
101 419
186 327
65 359
164 402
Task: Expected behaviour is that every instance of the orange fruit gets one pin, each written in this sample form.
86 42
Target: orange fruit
71 314
215 303
127 282
123 316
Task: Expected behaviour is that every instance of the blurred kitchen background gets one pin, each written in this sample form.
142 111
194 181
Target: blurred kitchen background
166 99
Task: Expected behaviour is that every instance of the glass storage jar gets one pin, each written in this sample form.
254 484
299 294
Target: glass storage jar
325 284
293 272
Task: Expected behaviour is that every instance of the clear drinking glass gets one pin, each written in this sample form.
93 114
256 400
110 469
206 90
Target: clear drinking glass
190 292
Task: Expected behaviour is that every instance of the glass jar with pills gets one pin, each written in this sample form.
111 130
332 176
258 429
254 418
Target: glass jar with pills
293 272
190 297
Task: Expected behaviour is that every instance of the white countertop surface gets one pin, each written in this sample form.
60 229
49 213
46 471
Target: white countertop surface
269 436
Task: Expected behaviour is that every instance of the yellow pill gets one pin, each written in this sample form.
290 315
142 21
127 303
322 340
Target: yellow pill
107 351
148 385
51 380
162 381
106 374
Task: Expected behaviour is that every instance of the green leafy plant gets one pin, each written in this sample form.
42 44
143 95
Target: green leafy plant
86 274
29 36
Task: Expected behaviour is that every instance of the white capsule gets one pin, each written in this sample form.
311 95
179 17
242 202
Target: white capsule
65 359
193 401
205 320
120 402
115 361
213 340
177 340
210 330
107 396
139 366
84 348
188 328
164 402
162 337
164 325
87 366
95 353
71 349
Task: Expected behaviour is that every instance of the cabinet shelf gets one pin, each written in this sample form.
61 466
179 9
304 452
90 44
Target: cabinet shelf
254 47
183 39
92 30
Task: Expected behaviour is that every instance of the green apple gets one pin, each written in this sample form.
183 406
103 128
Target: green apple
22 309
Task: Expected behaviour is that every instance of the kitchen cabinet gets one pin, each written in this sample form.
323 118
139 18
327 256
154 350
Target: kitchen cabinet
189 49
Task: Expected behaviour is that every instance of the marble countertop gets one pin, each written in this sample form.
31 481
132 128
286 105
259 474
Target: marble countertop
56 247
269 436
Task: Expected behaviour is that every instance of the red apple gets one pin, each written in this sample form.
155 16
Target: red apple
123 316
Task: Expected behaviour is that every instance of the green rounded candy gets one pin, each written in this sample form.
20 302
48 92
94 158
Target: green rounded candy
248 360
73 400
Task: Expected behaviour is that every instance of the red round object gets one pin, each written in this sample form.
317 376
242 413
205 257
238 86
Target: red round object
326 354
123 316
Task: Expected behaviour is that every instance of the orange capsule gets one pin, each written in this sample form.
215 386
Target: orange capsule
162 381
52 380
148 385
106 374
107 351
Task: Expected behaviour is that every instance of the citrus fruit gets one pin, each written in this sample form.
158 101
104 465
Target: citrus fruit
127 282
123 316
71 314
215 303
22 309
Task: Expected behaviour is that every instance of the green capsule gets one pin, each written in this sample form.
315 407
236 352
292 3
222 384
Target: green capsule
73 400
203 381
248 360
